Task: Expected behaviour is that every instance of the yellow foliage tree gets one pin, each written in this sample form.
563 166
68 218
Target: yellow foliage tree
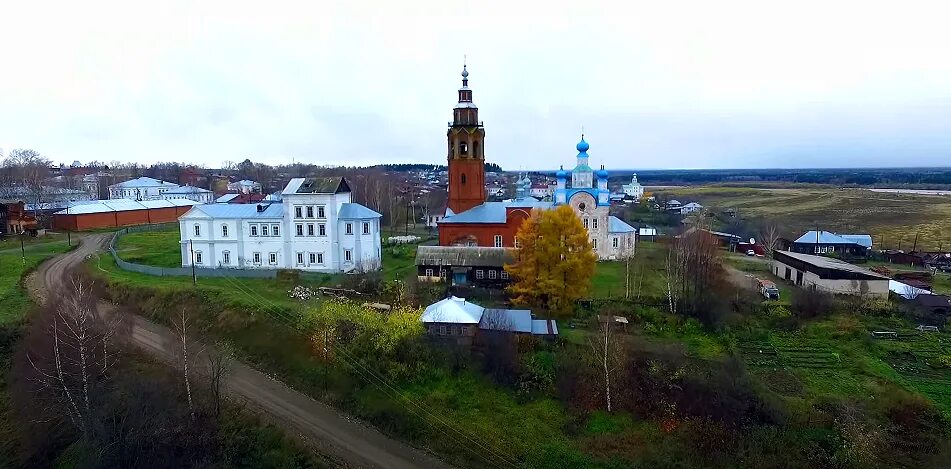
555 260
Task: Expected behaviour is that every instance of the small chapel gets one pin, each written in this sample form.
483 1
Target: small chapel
471 221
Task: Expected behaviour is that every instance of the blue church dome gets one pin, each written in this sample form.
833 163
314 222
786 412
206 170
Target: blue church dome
601 174
561 174
582 146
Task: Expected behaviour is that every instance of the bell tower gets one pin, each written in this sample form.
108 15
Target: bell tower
466 158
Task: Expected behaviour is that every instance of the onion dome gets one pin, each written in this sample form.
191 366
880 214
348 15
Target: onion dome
561 174
582 146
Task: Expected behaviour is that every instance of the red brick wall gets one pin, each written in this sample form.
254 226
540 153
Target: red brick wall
89 221
462 197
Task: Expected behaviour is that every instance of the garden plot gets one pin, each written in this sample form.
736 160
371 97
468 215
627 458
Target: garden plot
791 356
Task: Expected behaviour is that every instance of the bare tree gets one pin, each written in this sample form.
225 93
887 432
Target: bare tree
70 355
219 364
182 329
769 237
606 351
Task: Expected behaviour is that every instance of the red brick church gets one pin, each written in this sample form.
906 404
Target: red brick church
471 221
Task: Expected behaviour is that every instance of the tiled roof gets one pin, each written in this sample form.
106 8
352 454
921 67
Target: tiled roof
356 211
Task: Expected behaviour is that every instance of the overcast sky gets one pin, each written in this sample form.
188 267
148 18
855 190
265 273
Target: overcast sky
656 84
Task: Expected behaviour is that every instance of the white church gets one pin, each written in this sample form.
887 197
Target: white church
315 227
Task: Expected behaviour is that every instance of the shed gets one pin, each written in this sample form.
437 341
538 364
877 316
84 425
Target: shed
481 266
827 274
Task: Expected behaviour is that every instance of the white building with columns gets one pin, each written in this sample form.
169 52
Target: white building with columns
315 227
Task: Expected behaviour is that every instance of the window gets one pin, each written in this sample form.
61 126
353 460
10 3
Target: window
462 178
272 258
452 330
224 231
298 212
366 228
429 272
300 258
615 242
594 244
516 242
313 258
276 230
198 257
264 230
442 329
310 211
504 275
498 241
226 257
348 255
585 221
320 212
463 148
320 258
310 229
594 223
257 258
493 274
349 228
254 230
197 230
480 273
300 229
322 229
817 249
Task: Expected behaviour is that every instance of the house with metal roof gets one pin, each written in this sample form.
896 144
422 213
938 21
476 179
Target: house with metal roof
828 274
456 318
462 265
821 242
202 196
143 188
314 227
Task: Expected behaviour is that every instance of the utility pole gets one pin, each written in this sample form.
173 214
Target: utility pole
191 248
69 240
22 249
915 246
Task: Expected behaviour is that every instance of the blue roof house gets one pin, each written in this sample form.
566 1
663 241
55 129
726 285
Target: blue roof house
846 246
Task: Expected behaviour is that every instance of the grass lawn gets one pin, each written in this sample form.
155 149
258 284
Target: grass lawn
161 248
646 271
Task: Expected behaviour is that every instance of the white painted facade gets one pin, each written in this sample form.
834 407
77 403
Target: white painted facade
244 186
312 231
143 188
634 190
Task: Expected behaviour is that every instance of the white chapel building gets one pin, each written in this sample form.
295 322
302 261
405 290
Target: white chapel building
315 227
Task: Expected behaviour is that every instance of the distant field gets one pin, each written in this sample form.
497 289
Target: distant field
886 216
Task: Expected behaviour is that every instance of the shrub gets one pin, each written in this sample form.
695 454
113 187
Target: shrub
812 303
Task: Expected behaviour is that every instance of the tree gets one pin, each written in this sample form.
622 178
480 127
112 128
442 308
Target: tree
769 237
555 260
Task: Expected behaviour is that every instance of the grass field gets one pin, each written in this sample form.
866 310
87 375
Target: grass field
161 248
890 217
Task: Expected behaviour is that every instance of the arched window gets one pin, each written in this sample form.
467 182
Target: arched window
462 178
463 148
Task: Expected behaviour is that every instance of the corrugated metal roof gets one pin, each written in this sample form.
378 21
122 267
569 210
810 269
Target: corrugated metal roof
493 212
830 263
464 256
511 320
225 198
541 327
453 310
123 205
616 225
237 211
351 211
320 185
828 237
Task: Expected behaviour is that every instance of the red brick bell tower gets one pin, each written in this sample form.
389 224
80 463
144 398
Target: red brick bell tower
466 158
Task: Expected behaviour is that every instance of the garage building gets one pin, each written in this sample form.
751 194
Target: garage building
827 274
120 212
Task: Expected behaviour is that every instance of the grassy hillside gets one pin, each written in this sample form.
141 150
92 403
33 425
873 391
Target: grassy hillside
883 215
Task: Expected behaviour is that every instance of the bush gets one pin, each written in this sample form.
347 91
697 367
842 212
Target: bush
812 303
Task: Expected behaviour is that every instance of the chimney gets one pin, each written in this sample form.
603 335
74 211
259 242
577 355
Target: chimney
260 208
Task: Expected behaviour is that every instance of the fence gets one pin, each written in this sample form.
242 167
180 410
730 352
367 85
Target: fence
182 271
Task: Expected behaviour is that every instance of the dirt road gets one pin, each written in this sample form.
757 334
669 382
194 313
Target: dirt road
353 444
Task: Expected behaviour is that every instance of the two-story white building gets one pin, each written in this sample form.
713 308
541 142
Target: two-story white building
315 227
244 186
202 196
143 188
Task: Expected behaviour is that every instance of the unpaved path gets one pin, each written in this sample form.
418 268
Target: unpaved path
351 443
